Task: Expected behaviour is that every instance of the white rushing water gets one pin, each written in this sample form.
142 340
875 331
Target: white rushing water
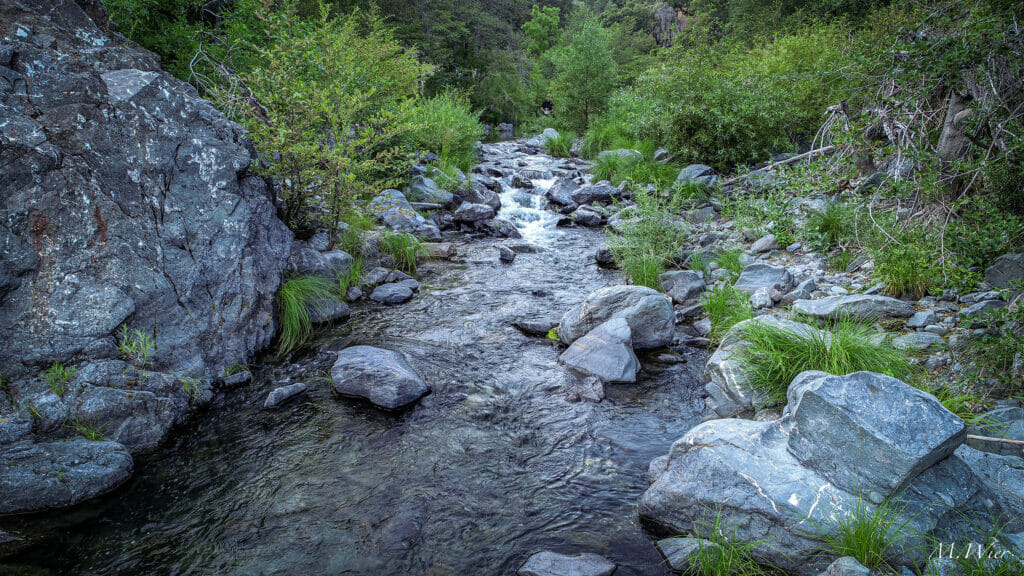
526 209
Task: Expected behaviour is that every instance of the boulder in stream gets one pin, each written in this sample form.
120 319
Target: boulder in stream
381 376
549 563
648 312
605 352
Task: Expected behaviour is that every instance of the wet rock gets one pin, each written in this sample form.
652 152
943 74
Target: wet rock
58 474
1005 271
916 341
481 194
506 254
440 250
860 306
846 566
353 293
907 432
536 326
589 389
396 293
682 285
393 209
605 352
473 212
766 243
602 193
503 228
604 258
648 312
681 553
764 277
237 379
138 419
381 376
282 394
698 174
587 216
561 192
549 563
325 311
702 326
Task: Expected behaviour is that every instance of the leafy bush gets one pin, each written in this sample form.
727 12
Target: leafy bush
405 249
866 532
294 300
910 265
585 75
560 147
447 126
775 356
650 237
726 306
991 353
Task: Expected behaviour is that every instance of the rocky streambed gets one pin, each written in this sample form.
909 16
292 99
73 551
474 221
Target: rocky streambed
501 459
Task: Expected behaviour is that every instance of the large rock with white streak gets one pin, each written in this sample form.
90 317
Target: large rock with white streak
858 306
381 376
648 312
605 352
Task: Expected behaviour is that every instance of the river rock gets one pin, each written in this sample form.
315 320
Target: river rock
506 254
423 189
503 228
561 192
680 553
381 376
58 474
393 209
481 194
440 250
976 310
138 418
698 174
682 285
922 319
1005 271
396 293
1003 423
605 352
587 216
549 563
326 311
648 312
602 193
916 341
859 306
473 212
306 260
604 257
535 326
282 394
764 277
766 243
868 432
846 566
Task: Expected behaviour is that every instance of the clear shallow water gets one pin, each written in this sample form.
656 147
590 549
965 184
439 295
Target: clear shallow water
492 466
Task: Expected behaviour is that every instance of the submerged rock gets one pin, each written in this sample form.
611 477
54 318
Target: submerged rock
381 376
282 394
549 563
605 352
648 312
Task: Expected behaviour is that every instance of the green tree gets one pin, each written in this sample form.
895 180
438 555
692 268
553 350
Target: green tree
541 30
585 75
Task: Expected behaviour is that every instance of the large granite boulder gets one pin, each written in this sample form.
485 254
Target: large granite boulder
381 376
606 352
857 306
648 312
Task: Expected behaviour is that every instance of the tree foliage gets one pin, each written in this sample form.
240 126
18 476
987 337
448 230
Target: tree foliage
586 75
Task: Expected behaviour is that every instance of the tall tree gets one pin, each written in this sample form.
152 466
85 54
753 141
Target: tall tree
585 75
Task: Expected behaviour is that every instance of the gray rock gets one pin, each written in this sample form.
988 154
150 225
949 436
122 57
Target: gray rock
505 131
602 193
561 192
480 193
375 276
794 295
393 209
766 243
282 394
604 257
680 553
536 326
325 311
648 312
1003 423
503 228
381 376
605 352
1003 480
764 277
871 183
663 156
846 566
137 419
423 189
1005 271
682 285
868 432
976 310
702 326
549 563
860 306
237 379
506 254
701 216
587 216
549 134
307 261
698 174
58 474
396 293
916 341
473 212
589 389
922 319
761 299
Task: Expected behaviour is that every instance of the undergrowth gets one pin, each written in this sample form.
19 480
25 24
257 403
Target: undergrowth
294 299
726 306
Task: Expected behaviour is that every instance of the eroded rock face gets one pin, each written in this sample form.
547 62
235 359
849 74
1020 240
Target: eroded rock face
126 201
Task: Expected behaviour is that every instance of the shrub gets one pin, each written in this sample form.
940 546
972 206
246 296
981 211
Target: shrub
726 306
604 133
911 267
447 126
294 300
649 238
775 356
585 75
57 376
404 248
866 532
991 352
827 228
637 170
560 147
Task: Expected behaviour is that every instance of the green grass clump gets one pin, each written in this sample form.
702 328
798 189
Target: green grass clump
560 147
638 170
603 134
191 386
57 376
648 239
776 356
350 239
726 306
730 260
726 555
866 532
351 277
137 348
89 430
829 227
404 248
294 300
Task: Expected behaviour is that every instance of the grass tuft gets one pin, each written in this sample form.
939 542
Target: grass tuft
829 227
560 147
867 533
89 430
648 239
726 555
726 306
404 248
294 300
57 376
776 356
730 260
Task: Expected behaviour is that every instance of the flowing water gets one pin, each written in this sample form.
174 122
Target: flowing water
493 465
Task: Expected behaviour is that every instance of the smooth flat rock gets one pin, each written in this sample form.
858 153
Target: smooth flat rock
549 563
766 243
282 394
922 319
682 285
859 306
605 352
764 277
648 312
381 376
869 432
396 293
916 341
58 474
